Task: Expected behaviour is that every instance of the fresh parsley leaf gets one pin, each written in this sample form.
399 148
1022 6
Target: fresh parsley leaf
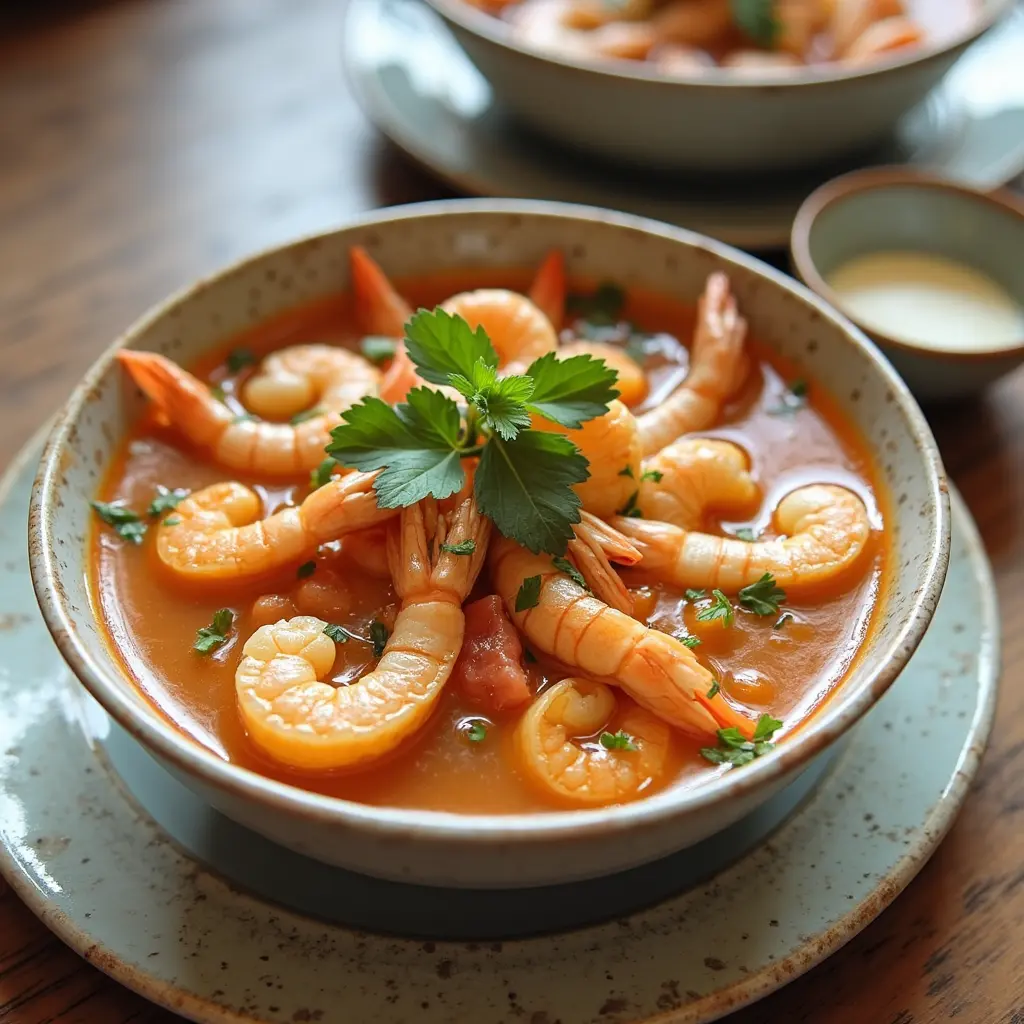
766 728
720 608
529 594
756 19
503 405
627 471
690 641
570 570
783 619
210 637
218 392
379 634
442 343
306 570
477 732
746 533
171 521
799 388
464 547
322 474
525 487
306 414
603 305
695 595
763 597
734 749
629 509
720 755
652 474
165 500
618 741
125 522
337 633
378 349
713 690
414 443
239 358
571 391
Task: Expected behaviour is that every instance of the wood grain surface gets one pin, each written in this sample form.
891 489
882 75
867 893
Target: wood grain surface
145 142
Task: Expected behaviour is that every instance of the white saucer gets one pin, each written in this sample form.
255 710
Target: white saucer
107 879
414 82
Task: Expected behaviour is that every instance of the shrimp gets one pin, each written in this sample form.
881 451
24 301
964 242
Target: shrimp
338 378
717 368
827 528
632 382
699 23
300 721
216 534
693 475
547 292
851 18
379 309
519 331
580 28
658 671
594 546
882 37
589 773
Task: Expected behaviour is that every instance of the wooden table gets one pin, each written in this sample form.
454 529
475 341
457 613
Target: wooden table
145 142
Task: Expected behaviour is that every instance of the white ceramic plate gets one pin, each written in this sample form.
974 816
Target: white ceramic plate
106 878
417 85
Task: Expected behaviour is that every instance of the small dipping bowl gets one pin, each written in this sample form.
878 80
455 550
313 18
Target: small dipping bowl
881 212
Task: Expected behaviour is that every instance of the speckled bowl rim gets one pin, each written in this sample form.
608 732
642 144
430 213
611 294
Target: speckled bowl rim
478 23
870 179
844 709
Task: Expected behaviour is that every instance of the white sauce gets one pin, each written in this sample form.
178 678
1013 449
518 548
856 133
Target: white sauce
930 301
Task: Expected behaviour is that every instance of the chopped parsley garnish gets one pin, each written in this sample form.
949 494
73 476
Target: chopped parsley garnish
798 388
747 534
695 595
690 640
757 20
713 691
524 478
125 522
618 741
165 500
239 358
306 414
210 637
570 570
322 474
378 349
630 509
602 306
529 594
652 474
171 521
464 547
783 619
306 570
720 608
337 633
379 634
626 471
477 732
734 749
763 597
218 392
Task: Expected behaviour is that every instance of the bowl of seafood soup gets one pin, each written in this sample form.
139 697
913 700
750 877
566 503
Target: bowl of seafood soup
681 112
639 710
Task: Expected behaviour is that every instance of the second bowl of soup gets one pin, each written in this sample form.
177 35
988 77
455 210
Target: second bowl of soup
625 531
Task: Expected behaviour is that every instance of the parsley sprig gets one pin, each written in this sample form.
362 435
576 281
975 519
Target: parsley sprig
735 749
125 522
756 19
620 740
524 478
209 638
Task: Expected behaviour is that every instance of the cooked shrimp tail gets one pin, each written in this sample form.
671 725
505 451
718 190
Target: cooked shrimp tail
717 368
826 531
303 722
578 629
595 545
216 534
547 743
548 290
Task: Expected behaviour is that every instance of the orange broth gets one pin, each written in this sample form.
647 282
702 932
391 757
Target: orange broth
152 619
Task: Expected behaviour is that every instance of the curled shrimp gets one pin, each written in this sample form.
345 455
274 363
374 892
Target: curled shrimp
336 377
693 475
658 671
546 740
217 533
717 368
300 721
826 527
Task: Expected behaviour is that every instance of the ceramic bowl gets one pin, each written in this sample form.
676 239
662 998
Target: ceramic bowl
895 209
490 850
630 113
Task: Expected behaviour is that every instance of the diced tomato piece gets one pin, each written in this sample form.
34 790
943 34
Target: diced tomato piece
489 670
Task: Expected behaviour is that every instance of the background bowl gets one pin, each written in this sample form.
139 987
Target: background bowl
628 112
887 209
490 850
